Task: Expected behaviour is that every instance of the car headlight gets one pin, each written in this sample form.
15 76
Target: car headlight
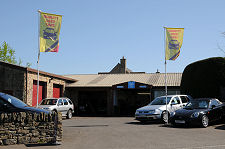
173 113
151 111
195 115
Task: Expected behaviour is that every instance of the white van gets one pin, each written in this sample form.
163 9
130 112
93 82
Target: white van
157 108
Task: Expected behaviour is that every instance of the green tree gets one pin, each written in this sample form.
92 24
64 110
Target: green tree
7 54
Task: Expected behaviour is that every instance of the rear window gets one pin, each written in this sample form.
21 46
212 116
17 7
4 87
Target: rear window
70 101
184 99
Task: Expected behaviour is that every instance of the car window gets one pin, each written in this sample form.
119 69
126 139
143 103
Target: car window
184 99
60 102
65 102
175 100
70 101
214 102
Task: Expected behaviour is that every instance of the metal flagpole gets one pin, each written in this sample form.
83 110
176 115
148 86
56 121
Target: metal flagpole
39 11
165 76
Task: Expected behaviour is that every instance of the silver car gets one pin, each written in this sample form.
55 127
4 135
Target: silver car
63 105
157 109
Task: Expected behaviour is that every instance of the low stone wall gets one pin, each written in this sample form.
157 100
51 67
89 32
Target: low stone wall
30 128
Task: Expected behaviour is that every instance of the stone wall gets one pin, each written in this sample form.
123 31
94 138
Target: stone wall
49 81
12 80
30 128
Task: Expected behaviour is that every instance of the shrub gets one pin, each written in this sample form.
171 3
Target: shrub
205 78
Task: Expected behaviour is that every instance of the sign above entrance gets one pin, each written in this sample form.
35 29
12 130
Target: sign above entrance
131 84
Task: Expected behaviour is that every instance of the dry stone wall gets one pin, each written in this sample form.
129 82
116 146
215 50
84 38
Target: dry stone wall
30 128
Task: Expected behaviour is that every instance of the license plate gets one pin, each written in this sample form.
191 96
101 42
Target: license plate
180 121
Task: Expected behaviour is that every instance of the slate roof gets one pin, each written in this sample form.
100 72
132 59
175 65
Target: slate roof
108 80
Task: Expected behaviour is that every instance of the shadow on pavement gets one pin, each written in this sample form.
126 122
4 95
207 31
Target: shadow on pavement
144 123
44 144
222 127
88 126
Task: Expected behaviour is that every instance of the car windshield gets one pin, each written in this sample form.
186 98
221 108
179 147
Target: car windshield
48 102
160 101
13 100
197 104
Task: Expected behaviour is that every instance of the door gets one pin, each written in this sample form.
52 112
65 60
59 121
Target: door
175 104
41 92
57 91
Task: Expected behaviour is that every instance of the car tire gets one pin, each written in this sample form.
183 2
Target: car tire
69 114
165 116
204 121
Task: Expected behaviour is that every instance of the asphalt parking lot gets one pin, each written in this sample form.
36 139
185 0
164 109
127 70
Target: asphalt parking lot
127 133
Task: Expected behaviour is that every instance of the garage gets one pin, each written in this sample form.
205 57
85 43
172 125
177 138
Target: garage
92 103
129 96
41 92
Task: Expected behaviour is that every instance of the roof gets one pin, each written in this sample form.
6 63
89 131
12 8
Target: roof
108 80
35 71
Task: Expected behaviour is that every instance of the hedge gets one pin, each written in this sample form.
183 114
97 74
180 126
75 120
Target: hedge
205 78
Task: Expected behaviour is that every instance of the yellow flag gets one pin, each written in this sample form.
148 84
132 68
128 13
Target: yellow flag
50 25
174 40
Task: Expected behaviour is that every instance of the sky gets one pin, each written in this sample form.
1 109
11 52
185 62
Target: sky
96 34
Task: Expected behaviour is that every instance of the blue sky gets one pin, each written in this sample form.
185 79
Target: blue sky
95 34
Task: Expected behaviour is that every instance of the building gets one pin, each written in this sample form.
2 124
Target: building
21 82
120 91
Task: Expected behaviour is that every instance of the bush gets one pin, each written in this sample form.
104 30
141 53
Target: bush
205 78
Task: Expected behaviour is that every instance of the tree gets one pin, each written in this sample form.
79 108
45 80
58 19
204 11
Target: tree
7 54
205 78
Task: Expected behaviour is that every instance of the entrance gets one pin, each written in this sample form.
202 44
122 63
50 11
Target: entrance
129 96
130 100
92 103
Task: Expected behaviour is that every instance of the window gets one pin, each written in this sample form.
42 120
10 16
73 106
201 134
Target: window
176 100
70 101
214 102
184 99
60 102
65 102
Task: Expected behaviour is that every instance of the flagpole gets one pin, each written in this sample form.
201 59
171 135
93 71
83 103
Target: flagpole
165 75
39 11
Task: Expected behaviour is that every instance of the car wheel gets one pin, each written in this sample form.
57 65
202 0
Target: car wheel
69 114
54 111
165 117
205 121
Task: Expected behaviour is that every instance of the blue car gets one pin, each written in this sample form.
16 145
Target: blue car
49 33
10 104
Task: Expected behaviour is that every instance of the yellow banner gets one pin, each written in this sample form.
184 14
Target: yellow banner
50 25
174 40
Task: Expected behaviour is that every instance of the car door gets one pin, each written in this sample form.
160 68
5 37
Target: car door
60 106
184 100
215 112
66 106
175 104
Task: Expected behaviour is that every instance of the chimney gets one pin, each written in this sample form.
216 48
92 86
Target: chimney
123 65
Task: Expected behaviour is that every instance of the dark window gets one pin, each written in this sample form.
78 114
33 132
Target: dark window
176 100
70 101
184 99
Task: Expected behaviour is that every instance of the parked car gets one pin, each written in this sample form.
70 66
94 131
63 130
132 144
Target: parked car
9 104
199 112
157 108
63 105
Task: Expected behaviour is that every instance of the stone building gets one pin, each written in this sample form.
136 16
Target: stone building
120 91
21 82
